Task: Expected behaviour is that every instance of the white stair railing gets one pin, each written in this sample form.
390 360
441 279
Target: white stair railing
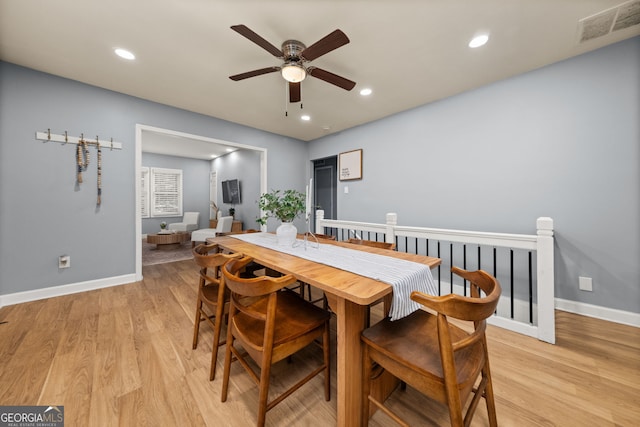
543 324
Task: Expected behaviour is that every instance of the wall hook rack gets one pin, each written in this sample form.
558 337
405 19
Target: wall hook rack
48 136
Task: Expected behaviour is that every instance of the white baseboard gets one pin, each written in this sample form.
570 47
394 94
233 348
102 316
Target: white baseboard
72 288
598 312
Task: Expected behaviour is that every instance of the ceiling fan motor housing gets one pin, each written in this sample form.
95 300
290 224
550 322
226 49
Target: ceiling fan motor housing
291 50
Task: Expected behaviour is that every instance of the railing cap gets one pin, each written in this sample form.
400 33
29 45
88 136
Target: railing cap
392 218
545 225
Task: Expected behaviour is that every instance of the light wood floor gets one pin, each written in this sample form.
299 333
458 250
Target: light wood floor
122 356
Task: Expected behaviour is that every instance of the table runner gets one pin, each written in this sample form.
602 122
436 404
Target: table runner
404 276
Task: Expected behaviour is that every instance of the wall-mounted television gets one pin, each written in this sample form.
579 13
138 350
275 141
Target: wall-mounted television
231 192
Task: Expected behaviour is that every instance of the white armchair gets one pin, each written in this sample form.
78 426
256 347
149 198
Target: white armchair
224 226
189 222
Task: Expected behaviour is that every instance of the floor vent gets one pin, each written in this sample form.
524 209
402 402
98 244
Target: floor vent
617 18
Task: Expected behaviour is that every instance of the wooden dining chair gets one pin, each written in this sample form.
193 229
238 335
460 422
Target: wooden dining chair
249 270
386 301
213 299
320 236
270 324
439 359
373 244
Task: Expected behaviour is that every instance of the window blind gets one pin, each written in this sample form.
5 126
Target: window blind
166 192
144 193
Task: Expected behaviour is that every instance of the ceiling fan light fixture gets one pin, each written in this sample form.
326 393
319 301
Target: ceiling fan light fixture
293 72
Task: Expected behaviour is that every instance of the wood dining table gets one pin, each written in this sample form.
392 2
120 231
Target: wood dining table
348 295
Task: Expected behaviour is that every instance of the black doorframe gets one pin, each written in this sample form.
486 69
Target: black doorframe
325 187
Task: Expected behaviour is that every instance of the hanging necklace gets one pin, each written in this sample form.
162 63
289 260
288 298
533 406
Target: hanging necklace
82 157
99 172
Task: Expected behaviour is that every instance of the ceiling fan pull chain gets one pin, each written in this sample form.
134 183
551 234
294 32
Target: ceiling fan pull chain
286 98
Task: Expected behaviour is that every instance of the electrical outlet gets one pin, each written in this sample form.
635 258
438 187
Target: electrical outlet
585 284
64 261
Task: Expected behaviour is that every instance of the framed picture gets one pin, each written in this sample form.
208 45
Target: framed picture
350 165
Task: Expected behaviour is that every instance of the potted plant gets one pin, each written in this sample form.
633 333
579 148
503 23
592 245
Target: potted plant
163 225
286 206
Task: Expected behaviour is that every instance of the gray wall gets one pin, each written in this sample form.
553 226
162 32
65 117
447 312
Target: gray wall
243 165
43 214
562 141
195 188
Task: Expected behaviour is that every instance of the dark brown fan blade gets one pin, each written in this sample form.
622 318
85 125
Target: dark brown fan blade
325 45
254 73
294 92
248 33
329 77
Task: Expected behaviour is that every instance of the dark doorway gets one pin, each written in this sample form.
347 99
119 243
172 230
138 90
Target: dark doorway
325 176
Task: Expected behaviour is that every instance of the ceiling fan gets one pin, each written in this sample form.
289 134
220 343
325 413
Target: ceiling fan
295 54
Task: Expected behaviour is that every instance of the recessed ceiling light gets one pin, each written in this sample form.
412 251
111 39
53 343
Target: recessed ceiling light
306 118
229 150
213 156
479 40
123 53
366 92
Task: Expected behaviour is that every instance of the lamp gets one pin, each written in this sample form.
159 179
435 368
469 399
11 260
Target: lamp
293 72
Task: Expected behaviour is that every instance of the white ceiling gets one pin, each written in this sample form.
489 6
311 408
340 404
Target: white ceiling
409 53
173 144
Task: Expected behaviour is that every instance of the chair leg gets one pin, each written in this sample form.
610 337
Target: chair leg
196 323
227 359
453 401
216 344
265 373
488 396
326 336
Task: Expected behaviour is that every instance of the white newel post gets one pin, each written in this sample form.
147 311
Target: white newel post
546 291
319 218
392 221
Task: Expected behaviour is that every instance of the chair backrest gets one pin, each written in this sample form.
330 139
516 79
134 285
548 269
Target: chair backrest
191 217
373 244
209 257
475 308
264 288
321 236
252 287
224 224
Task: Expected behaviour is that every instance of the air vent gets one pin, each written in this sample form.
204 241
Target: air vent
617 18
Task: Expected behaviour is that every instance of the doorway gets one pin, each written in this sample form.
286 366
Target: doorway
325 178
184 138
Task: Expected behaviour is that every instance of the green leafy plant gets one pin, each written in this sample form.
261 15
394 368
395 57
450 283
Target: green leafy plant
284 205
163 225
